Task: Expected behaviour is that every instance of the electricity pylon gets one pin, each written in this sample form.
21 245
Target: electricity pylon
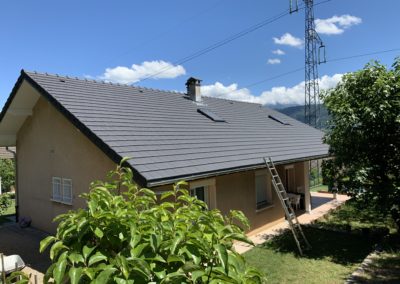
314 55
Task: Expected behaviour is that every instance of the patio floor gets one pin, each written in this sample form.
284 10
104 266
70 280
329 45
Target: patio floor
25 243
321 204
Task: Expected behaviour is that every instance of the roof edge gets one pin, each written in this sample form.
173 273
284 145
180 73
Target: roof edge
116 158
12 94
153 183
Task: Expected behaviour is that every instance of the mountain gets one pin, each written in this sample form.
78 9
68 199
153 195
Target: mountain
297 112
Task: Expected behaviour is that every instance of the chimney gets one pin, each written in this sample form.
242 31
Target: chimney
193 89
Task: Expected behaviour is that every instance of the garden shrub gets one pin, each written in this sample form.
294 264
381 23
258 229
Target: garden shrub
126 235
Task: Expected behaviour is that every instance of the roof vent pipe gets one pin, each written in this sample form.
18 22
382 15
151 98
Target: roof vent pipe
193 89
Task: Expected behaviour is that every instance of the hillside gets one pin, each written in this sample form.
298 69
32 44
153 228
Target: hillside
297 112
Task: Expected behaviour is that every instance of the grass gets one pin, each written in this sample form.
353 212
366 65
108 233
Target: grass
8 212
320 187
352 217
333 258
336 254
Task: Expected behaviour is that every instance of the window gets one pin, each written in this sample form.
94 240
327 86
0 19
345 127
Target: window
57 194
281 121
263 191
210 115
67 190
200 193
62 190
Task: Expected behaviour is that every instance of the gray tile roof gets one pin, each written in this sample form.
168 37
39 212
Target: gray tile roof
168 138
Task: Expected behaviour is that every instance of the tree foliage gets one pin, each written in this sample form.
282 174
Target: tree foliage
364 134
126 235
7 174
5 202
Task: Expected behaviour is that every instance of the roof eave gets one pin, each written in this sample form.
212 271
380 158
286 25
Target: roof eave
75 121
160 182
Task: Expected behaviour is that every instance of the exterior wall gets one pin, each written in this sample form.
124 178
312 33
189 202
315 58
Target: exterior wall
50 146
237 191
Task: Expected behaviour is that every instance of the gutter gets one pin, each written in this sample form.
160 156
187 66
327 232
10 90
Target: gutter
16 184
172 180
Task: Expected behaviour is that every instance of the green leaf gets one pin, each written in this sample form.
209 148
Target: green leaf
46 242
166 194
175 243
87 251
154 242
197 275
75 274
97 257
175 258
222 256
98 232
59 270
76 258
81 224
137 251
104 276
56 247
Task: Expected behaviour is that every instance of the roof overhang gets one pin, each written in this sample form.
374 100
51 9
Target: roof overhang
18 107
153 183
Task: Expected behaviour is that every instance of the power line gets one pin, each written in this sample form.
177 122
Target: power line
167 30
362 55
218 44
327 61
227 40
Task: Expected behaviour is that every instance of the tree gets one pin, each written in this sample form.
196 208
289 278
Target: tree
126 235
7 174
364 135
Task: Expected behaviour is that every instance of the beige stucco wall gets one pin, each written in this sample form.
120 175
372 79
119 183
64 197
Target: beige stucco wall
237 191
48 145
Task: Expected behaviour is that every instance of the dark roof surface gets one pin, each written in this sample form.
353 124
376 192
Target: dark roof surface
168 138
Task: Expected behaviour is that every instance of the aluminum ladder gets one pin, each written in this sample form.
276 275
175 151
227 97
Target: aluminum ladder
301 240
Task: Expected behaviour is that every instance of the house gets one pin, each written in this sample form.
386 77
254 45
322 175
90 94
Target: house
69 132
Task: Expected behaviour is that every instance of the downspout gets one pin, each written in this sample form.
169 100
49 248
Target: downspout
16 184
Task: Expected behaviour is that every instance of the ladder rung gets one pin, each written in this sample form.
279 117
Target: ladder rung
274 176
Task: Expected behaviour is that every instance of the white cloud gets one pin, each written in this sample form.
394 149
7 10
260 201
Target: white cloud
276 95
288 39
336 24
231 92
159 68
274 61
278 52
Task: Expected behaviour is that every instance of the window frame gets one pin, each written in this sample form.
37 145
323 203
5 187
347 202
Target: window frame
62 197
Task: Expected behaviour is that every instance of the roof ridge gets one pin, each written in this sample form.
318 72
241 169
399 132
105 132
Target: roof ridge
97 81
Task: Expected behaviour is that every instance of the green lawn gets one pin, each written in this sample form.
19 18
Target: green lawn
335 253
320 187
332 259
352 216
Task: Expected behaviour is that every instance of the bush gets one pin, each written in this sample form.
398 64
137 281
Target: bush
5 202
126 236
7 174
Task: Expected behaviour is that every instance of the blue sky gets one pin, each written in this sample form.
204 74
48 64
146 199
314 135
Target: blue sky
84 38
